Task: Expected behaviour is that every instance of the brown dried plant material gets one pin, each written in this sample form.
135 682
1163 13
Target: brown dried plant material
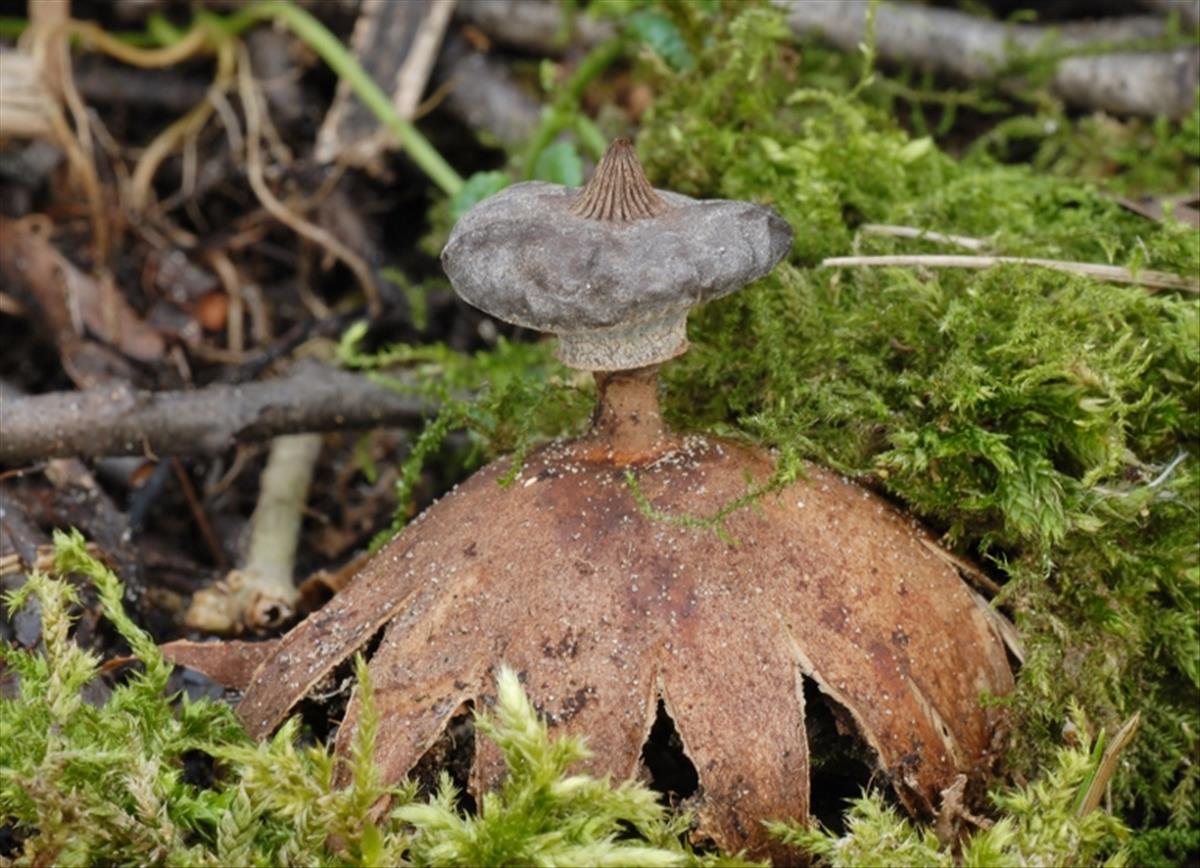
68 299
261 594
23 97
605 609
230 663
397 44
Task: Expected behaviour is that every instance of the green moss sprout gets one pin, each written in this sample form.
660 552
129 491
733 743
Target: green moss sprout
1039 825
506 399
86 781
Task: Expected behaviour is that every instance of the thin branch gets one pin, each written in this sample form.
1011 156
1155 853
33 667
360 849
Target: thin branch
313 33
1106 273
198 513
118 420
483 94
923 235
539 28
141 192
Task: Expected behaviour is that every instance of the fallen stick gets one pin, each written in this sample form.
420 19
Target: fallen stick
1108 273
975 49
1187 10
396 44
533 26
483 95
118 420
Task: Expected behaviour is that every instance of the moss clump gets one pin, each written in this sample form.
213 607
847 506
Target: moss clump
108 783
115 782
1040 824
1048 424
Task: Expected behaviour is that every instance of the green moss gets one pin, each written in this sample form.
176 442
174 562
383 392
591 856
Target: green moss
106 783
86 783
1048 424
1040 825
506 399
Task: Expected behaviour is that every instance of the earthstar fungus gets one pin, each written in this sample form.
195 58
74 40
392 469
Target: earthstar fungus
607 608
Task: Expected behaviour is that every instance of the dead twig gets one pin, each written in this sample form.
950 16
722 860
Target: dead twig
173 137
198 513
118 420
533 26
1090 798
102 82
1187 10
231 282
1106 273
47 42
397 44
1125 83
483 95
12 563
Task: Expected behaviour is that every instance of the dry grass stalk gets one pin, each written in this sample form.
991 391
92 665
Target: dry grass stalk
1107 273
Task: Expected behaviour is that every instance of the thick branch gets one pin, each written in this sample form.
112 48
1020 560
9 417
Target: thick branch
1187 10
976 49
483 95
120 421
532 26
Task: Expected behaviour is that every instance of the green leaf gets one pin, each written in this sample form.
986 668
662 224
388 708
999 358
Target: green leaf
477 188
663 37
559 164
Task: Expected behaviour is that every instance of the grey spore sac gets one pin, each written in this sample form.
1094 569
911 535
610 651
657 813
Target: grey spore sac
615 289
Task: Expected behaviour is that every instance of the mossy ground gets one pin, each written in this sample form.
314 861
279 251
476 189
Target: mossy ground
1048 425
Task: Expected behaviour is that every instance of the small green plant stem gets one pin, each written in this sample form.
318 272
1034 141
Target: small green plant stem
12 28
867 76
330 49
563 111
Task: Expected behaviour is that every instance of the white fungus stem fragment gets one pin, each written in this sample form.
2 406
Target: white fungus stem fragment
262 593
